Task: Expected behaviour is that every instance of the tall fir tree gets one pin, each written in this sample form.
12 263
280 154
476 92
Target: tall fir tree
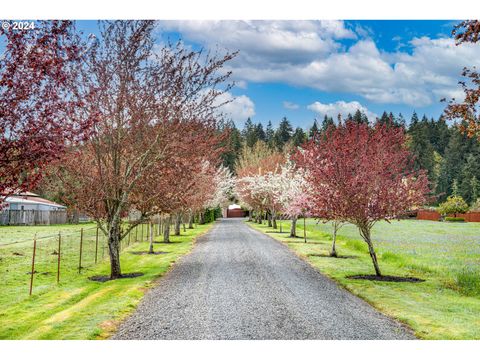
270 134
327 122
283 133
233 146
314 129
421 147
360 117
260 133
249 133
299 137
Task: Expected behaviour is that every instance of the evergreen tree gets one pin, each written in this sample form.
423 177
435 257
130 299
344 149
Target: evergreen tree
455 187
299 137
384 119
475 190
414 119
421 148
468 183
451 166
250 133
461 163
327 122
442 136
401 121
233 146
314 129
283 134
360 117
269 134
260 133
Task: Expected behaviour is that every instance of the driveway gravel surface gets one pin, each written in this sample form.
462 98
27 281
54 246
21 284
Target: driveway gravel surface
238 283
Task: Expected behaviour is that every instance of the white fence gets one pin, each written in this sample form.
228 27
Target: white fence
33 217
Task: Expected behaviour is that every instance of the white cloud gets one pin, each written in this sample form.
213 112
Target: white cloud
242 84
308 53
340 107
290 105
237 108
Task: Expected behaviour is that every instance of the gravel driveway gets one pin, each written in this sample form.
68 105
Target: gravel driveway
240 284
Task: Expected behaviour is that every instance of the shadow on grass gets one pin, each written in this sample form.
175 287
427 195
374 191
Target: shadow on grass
171 242
302 242
148 253
105 278
386 278
334 257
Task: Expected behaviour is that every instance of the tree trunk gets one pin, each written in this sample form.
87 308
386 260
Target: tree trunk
333 252
201 218
166 230
274 220
178 223
293 228
190 220
150 249
365 232
250 215
269 219
114 250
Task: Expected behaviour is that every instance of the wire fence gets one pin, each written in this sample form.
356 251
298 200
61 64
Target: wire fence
39 263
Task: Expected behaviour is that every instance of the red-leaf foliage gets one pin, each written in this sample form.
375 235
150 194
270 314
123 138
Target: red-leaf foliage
467 110
38 72
362 174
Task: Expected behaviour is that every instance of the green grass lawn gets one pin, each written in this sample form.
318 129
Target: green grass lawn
446 255
19 234
77 308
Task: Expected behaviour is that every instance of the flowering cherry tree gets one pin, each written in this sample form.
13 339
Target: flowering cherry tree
362 175
158 121
38 107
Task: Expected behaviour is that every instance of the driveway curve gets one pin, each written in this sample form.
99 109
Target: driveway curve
238 283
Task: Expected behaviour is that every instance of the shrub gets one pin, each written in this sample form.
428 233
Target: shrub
453 205
454 219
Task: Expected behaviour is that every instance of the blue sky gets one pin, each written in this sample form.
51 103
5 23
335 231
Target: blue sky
306 69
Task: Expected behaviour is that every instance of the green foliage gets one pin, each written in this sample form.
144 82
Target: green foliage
454 219
210 215
453 205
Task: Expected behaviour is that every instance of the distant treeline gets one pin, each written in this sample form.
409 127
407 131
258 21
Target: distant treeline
451 159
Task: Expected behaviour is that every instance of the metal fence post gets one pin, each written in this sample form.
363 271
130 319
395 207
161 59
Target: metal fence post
96 245
59 256
33 262
81 248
